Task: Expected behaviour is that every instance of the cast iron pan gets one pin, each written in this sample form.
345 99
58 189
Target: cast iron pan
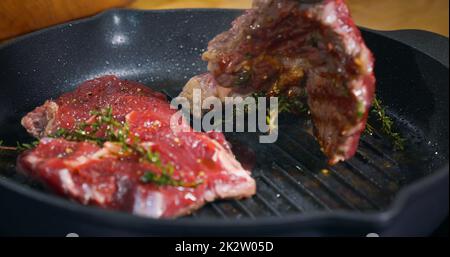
380 190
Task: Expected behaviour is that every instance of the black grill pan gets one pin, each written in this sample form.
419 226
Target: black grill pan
380 190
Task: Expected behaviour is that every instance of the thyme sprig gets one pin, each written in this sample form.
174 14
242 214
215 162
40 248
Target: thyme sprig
115 131
387 125
20 147
288 104
295 105
26 146
119 133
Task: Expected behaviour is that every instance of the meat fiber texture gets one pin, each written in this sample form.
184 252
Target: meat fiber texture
95 174
286 47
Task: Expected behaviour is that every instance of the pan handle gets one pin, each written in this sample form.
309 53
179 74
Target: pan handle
432 44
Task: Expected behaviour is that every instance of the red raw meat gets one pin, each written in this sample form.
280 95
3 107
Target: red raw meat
100 175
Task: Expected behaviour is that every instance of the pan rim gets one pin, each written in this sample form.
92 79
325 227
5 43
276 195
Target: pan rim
119 219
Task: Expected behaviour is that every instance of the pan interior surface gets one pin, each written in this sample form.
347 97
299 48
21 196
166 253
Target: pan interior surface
162 50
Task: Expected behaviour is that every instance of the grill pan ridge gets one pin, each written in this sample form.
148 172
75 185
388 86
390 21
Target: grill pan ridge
297 193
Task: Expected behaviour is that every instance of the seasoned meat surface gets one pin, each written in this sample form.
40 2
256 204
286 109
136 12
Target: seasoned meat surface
281 47
106 175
